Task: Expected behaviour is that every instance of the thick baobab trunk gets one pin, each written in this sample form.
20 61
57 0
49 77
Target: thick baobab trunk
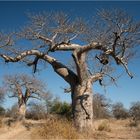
22 112
22 109
82 105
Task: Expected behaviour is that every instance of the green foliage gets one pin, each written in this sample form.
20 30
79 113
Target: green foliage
61 108
119 112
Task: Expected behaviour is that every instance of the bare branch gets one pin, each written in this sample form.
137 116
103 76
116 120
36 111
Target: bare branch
124 64
55 35
45 39
93 45
72 38
21 56
66 90
127 71
115 41
34 63
96 77
34 97
59 68
6 39
12 96
64 46
112 78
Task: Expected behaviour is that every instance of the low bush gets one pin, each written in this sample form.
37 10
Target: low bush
35 115
104 126
61 108
133 123
134 111
36 111
2 111
119 112
12 112
55 128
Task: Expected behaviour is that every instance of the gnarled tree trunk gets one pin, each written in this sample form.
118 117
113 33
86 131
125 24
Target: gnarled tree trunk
22 112
82 106
22 109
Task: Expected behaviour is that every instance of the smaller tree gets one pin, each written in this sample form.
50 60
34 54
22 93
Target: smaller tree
119 112
134 111
100 106
23 87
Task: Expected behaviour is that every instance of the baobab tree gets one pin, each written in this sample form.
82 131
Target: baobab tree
23 87
96 48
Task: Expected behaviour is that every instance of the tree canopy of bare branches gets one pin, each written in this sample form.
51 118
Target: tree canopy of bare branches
24 87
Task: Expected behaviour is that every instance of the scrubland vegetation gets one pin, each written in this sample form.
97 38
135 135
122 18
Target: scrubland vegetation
111 121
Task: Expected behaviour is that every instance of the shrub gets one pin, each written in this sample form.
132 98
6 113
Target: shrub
61 108
2 111
133 123
119 112
134 112
55 128
12 112
104 126
36 111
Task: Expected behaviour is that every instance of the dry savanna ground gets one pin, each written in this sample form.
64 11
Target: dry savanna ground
53 128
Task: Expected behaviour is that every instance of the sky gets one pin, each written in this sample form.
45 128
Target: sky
13 16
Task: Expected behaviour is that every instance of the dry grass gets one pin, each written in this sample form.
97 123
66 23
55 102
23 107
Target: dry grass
104 126
0 122
103 129
55 128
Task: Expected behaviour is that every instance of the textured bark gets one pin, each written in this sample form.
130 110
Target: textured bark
82 94
82 106
22 111
22 107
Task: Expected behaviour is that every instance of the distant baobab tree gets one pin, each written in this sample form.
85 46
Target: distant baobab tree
23 87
